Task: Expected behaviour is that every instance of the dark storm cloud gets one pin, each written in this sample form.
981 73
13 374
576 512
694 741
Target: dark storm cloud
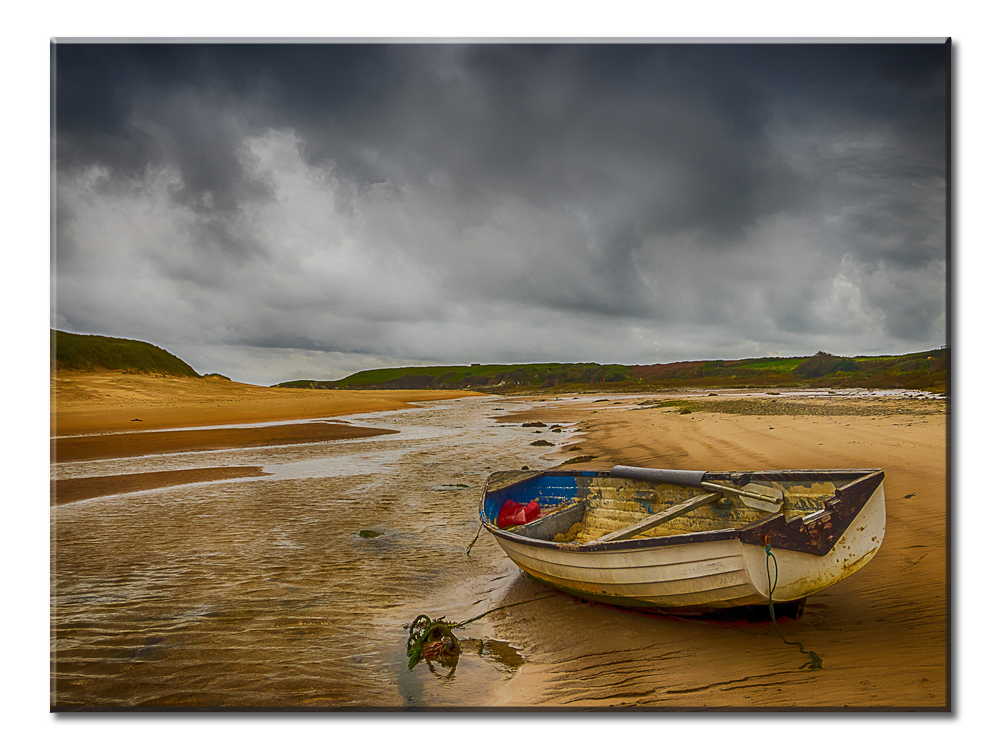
546 122
881 112
132 110
295 195
616 131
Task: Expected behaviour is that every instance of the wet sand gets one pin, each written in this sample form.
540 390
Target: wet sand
289 590
97 447
882 633
62 491
97 416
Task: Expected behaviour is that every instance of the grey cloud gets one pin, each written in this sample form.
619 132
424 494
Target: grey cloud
553 127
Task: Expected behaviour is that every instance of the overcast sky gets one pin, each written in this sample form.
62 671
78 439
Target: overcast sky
274 212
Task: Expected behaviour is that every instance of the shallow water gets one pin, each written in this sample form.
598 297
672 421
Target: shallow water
262 593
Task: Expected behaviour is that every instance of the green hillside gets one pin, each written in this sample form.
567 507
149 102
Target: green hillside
476 376
926 370
73 351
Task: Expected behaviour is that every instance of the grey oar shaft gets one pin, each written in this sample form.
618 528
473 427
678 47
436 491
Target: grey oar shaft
667 476
688 479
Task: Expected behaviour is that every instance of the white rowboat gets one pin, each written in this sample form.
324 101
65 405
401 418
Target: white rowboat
691 541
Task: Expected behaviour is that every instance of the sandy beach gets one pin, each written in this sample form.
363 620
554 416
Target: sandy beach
89 403
882 633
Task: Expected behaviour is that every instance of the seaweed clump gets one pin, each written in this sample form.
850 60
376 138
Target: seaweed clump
432 640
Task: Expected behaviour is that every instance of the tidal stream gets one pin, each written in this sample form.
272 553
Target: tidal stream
262 592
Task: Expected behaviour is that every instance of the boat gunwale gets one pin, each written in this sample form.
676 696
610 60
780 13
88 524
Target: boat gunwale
716 535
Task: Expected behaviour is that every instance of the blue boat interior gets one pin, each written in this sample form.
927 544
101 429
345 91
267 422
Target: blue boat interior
549 491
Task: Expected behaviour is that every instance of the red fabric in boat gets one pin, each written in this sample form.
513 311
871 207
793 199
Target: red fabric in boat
514 514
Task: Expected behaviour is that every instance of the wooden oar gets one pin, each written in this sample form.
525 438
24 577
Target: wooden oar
757 496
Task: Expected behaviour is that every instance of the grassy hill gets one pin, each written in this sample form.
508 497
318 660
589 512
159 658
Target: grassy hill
925 370
73 351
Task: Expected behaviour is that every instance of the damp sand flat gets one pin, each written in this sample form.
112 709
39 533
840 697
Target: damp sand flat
122 445
262 592
63 491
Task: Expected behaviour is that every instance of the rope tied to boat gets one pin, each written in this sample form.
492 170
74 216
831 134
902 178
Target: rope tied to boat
815 662
469 550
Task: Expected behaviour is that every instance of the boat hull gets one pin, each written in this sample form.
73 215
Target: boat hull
701 573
